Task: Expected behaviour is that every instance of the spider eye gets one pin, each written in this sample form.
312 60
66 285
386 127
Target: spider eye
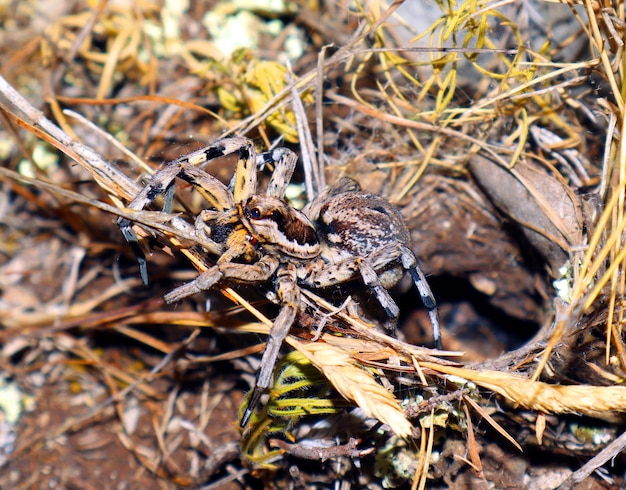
255 213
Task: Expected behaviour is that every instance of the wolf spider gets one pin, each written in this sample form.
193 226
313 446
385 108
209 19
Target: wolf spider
342 235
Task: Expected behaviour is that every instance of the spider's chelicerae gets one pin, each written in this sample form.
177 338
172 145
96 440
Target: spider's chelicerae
343 235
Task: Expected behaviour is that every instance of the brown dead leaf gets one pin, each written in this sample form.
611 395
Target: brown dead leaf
544 207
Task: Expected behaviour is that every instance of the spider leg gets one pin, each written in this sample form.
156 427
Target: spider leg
284 161
159 184
289 295
211 189
186 167
205 281
347 270
206 215
168 198
126 228
244 180
260 271
369 269
163 183
410 263
372 281
394 251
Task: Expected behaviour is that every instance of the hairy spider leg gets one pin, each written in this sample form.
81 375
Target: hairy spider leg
243 183
368 268
384 255
372 281
288 293
260 271
322 275
284 161
428 299
289 296
160 183
186 167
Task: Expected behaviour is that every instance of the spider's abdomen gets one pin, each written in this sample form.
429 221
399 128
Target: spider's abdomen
361 223
356 224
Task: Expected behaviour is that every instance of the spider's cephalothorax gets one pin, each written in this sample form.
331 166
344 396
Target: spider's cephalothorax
279 227
343 235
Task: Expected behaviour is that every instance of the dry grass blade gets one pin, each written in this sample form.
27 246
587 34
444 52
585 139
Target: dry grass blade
152 219
355 384
365 331
427 127
605 252
75 422
490 421
49 312
426 447
108 176
592 401
474 453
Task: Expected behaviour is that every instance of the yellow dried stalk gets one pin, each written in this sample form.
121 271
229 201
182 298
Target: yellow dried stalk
604 261
593 401
355 384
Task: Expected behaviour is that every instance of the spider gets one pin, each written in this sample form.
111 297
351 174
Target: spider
342 235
